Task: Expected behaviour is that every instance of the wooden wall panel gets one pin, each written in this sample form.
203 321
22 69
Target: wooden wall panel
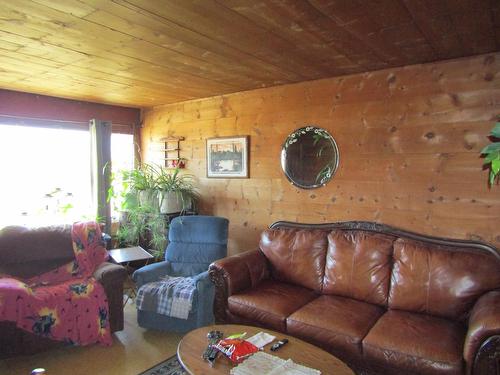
409 141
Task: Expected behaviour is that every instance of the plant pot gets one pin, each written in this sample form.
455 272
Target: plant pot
147 198
122 217
171 202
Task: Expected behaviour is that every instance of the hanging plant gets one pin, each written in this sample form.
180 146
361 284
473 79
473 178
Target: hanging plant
492 154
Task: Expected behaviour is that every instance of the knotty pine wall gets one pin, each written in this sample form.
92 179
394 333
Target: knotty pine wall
409 141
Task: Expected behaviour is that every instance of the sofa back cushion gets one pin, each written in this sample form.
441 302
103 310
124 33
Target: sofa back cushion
296 256
26 252
358 265
440 280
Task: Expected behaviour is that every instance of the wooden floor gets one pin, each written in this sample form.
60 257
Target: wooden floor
133 351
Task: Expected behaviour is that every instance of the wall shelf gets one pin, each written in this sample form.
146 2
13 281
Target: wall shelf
172 151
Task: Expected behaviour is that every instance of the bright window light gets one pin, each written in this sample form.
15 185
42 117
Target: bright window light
46 174
122 151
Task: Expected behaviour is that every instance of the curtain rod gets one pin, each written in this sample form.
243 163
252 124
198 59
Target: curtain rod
28 121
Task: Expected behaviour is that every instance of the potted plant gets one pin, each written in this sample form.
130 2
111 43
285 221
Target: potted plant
149 193
143 223
176 191
140 184
492 154
144 226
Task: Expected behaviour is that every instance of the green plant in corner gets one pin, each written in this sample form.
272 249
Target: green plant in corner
492 154
143 223
144 226
148 193
176 189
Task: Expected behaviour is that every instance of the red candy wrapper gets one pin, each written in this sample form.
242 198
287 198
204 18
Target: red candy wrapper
236 349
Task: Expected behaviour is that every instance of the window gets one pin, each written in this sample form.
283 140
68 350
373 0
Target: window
46 174
122 159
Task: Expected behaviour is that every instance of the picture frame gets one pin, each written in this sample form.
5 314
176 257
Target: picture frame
227 157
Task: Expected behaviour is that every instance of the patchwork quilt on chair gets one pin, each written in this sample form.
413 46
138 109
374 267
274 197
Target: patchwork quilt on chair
67 303
171 296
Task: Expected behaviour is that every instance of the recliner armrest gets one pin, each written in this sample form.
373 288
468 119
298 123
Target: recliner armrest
205 302
236 273
484 323
151 272
201 277
110 273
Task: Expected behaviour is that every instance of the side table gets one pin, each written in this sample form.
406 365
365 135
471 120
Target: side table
124 256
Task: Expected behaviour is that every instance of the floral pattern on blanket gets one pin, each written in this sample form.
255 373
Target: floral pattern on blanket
67 303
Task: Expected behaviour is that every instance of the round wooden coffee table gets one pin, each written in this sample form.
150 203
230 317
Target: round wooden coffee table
193 345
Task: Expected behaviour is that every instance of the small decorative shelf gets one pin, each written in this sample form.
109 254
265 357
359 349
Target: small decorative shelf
172 151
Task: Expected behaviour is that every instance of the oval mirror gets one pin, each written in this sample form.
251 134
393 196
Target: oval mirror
309 157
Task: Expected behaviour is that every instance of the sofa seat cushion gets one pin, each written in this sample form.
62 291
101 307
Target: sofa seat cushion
416 343
337 324
270 303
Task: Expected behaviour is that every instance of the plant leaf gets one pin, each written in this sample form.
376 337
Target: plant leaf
495 166
491 156
495 132
491 148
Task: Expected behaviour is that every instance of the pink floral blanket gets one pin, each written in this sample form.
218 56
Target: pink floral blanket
67 303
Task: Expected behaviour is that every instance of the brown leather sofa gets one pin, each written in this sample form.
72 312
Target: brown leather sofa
385 301
28 252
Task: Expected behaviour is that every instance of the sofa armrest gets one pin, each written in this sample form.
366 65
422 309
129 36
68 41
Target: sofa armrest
234 274
151 272
109 273
112 276
483 333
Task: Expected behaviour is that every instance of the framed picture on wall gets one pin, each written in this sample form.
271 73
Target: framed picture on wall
227 157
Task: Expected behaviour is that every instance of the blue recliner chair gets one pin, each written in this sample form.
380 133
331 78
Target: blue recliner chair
194 243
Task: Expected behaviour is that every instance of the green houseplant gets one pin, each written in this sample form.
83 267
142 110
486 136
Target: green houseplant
176 191
140 185
145 189
492 154
143 224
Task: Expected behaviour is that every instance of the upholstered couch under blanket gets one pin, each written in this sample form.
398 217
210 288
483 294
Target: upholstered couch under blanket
25 253
386 301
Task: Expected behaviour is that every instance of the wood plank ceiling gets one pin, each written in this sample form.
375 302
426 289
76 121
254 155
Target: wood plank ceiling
143 53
